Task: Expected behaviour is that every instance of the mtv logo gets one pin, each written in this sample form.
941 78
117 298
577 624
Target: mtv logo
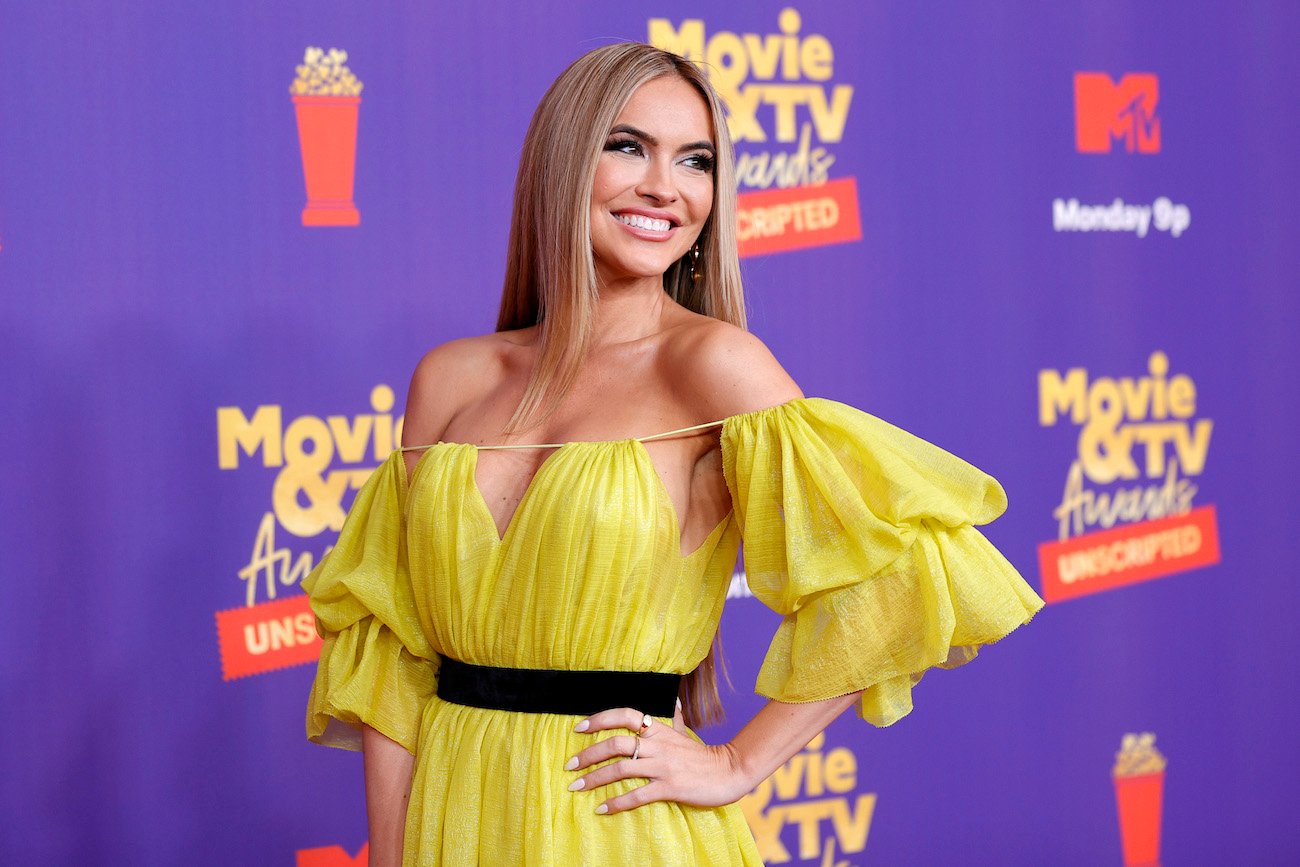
333 856
1104 111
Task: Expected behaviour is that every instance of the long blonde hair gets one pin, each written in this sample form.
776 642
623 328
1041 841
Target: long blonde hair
550 276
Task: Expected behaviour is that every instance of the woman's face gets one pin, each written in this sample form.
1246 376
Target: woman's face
654 181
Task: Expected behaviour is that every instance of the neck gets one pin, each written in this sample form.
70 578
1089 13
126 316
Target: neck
629 309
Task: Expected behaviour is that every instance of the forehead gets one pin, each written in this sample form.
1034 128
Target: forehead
669 108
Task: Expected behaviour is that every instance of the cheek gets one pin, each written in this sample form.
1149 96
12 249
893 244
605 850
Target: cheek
700 197
612 178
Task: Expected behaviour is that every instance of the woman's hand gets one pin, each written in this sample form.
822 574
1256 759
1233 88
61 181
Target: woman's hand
678 767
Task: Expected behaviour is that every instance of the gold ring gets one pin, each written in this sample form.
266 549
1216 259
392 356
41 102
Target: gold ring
636 751
646 721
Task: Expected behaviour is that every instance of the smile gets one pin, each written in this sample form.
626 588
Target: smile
637 221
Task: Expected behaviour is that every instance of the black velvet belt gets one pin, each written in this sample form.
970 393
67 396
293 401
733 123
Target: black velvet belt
579 693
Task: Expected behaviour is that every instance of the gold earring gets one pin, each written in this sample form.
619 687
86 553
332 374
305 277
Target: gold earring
695 257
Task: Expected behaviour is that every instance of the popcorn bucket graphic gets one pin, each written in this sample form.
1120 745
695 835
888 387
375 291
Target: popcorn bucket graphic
1139 776
327 135
327 100
1140 801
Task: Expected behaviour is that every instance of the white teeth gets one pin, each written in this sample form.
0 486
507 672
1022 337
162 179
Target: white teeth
641 222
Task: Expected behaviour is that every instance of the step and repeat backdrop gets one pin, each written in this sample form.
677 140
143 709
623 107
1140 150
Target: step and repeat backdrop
1055 239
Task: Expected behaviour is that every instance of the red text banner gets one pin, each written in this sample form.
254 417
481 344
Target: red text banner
265 637
1129 554
773 221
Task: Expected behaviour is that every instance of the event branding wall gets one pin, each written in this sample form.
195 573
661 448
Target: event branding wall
1053 239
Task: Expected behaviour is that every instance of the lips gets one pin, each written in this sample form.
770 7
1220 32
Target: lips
637 221
648 224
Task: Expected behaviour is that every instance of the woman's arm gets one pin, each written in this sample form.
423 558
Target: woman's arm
682 769
778 732
388 790
388 766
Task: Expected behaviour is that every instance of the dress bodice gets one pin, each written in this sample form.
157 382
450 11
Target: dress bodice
588 574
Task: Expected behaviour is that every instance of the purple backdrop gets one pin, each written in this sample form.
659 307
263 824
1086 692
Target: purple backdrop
160 286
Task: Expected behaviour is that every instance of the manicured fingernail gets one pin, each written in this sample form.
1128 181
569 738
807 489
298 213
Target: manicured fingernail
577 784
602 809
582 726
571 764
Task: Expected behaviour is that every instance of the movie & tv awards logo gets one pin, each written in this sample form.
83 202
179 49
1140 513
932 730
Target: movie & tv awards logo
809 808
307 498
1143 430
1110 116
778 89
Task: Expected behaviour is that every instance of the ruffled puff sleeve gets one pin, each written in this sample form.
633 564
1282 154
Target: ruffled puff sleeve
862 537
376 666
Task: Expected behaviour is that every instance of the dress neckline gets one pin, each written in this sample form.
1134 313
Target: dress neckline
641 439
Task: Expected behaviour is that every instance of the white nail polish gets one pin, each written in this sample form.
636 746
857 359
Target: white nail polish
582 726
577 784
571 764
602 809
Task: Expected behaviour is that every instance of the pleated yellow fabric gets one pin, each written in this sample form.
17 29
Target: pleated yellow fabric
857 532
375 663
862 536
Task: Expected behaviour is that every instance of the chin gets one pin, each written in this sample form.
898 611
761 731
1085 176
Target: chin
635 269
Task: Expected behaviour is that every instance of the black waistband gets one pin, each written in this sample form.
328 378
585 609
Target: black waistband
580 693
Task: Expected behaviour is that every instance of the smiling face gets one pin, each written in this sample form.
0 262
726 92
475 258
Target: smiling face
653 189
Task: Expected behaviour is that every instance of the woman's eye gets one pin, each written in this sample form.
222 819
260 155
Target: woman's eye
624 146
701 162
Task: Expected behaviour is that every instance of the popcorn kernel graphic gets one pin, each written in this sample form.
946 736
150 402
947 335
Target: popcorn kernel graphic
1138 755
322 74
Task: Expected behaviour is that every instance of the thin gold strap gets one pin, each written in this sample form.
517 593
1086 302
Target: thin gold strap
680 430
657 436
523 446
514 446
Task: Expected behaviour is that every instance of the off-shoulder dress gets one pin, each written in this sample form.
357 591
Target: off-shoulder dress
860 534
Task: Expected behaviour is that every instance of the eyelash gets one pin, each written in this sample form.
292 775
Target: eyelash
705 162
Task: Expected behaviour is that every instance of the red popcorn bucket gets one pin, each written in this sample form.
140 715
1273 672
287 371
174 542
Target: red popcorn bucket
1140 801
327 135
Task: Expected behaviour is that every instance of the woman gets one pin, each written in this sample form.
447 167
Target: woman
556 575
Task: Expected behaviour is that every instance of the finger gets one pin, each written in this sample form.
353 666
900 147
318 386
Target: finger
615 718
638 797
619 745
624 769
679 721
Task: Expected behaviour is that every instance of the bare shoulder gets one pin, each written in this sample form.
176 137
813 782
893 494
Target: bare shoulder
729 371
448 377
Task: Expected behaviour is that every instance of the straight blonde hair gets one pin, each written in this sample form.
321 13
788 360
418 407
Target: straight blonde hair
550 276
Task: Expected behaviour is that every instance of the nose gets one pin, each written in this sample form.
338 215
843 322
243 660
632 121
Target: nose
657 182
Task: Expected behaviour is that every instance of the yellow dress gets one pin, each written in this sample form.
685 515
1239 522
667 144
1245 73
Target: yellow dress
860 534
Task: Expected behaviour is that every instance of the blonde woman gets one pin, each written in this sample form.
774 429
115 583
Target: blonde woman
519 612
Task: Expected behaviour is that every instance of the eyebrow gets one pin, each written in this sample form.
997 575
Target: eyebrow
654 142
